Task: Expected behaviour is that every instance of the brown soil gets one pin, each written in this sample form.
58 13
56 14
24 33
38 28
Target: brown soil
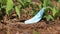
42 27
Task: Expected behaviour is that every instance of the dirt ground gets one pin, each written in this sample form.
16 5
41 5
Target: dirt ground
16 26
42 27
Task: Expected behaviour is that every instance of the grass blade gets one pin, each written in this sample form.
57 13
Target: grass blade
59 1
27 1
20 1
48 17
46 3
17 11
54 11
9 6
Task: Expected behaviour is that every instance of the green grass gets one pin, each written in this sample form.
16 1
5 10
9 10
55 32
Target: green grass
9 6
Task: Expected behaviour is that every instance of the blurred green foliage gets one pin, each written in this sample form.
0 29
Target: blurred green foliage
9 5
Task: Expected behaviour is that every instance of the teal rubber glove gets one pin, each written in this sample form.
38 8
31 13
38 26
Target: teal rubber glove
36 18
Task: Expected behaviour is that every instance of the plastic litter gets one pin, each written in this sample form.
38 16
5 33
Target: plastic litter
36 18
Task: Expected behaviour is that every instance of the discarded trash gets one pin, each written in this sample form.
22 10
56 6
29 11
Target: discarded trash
36 18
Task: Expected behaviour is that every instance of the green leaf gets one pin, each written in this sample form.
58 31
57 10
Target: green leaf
57 15
21 2
17 11
46 3
0 1
54 11
48 17
35 12
9 6
39 6
27 1
4 2
59 1
42 1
